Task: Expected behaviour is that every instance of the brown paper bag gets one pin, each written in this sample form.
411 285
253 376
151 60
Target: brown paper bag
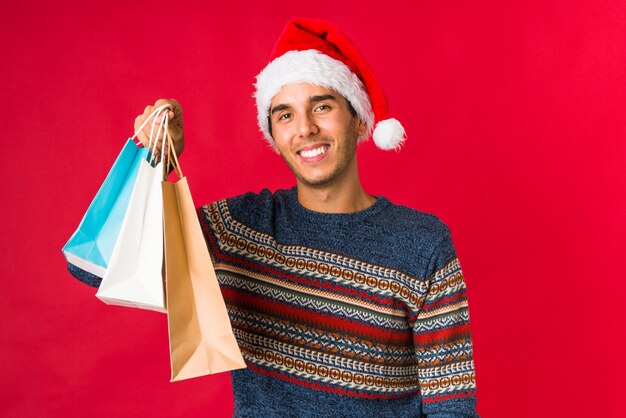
201 338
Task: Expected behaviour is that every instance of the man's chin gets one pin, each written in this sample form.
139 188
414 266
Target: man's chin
314 182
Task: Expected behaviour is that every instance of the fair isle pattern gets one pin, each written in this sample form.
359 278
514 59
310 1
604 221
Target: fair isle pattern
311 300
335 323
443 338
317 338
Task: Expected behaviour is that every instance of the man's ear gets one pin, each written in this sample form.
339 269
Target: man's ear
361 127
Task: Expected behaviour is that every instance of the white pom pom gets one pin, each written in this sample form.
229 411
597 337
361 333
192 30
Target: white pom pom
389 134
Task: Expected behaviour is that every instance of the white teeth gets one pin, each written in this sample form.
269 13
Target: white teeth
313 152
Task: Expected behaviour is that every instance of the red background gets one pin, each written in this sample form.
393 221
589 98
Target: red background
516 122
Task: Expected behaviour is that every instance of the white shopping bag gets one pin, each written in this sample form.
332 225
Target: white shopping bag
134 275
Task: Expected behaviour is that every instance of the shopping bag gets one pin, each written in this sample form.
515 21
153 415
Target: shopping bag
91 245
201 338
134 275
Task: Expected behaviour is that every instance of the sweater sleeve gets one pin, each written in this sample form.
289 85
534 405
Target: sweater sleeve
84 276
442 338
94 281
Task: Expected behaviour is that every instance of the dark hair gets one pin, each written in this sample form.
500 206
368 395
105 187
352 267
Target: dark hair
269 117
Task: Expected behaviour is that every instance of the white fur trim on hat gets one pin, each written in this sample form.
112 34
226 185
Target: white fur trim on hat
314 67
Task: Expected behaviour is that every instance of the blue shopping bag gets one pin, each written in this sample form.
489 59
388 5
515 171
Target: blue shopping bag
90 247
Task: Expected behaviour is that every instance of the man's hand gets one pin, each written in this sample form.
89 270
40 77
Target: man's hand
175 126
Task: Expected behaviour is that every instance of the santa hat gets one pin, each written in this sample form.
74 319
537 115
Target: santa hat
317 52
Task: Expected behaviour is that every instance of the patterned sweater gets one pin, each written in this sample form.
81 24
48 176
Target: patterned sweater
362 314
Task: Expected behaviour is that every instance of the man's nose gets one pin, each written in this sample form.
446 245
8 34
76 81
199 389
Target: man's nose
307 126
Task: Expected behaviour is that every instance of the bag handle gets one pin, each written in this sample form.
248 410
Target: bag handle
155 136
163 126
172 160
156 111
154 115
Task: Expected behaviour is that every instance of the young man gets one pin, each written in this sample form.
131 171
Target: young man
343 304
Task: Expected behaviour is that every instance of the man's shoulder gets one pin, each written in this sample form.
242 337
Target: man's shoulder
422 235
404 220
250 200
254 209
247 201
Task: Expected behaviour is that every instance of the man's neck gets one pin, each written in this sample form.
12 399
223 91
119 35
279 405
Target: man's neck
343 197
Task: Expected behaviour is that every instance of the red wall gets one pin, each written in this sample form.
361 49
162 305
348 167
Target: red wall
516 122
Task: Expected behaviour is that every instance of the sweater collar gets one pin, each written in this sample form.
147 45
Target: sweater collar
300 212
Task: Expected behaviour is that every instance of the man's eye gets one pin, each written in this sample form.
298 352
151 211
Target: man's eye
284 116
322 107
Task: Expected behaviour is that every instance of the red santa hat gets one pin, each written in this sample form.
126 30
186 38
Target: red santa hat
317 52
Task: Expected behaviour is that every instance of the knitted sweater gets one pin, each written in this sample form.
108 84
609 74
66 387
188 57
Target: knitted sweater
361 314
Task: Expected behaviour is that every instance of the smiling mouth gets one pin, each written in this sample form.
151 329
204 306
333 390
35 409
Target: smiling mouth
314 152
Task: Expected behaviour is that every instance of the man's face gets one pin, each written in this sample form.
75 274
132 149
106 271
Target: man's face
315 132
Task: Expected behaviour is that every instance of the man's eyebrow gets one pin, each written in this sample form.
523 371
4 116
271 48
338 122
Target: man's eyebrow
279 107
316 99
313 99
